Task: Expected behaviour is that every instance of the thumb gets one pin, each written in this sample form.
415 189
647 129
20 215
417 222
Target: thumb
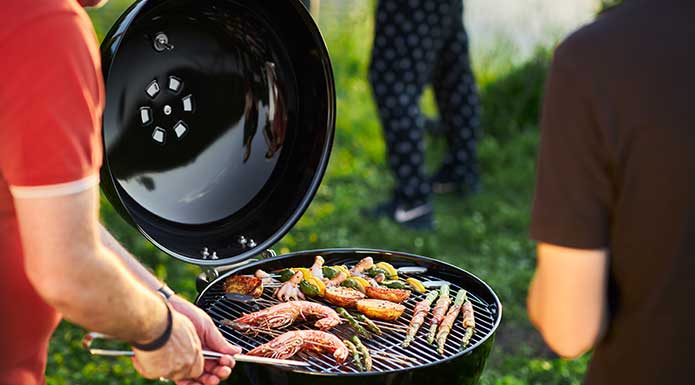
216 342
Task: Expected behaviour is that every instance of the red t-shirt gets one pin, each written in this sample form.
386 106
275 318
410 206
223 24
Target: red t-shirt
51 101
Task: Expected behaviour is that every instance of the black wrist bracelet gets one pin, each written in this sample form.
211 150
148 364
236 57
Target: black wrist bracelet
161 340
166 291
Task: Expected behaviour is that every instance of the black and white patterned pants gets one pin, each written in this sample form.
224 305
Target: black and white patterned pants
418 42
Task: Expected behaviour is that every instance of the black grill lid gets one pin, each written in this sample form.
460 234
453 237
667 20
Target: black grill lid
218 124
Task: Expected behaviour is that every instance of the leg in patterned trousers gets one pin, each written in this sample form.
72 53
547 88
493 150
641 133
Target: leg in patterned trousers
419 42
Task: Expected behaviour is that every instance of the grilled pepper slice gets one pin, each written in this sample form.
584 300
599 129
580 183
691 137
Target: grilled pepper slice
329 272
374 271
353 283
308 289
395 284
286 274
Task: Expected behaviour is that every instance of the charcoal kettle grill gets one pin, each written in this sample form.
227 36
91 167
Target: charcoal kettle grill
218 125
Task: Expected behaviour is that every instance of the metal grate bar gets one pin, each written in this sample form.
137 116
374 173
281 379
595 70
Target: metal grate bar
387 345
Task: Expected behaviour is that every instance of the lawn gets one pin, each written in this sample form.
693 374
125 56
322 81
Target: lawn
485 234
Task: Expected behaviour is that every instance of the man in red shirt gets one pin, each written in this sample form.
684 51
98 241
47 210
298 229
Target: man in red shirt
57 260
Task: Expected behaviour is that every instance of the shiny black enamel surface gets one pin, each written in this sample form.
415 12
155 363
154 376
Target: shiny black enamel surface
462 369
236 147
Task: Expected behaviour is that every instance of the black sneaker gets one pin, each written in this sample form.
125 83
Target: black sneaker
417 217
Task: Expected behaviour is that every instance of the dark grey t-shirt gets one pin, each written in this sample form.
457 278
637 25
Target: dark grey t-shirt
616 169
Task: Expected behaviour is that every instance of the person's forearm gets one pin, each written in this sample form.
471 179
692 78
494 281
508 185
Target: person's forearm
70 268
133 265
96 300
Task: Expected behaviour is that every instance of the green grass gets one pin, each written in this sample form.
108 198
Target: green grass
485 234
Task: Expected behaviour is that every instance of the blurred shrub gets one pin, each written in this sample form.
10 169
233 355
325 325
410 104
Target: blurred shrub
511 104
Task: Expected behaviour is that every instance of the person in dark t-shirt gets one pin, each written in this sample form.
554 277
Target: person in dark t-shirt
614 209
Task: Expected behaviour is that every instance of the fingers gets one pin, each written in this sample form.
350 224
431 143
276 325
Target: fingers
216 342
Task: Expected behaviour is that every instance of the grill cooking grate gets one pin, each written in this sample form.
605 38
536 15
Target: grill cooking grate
417 354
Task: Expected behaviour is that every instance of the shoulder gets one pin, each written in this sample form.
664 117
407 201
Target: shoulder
610 36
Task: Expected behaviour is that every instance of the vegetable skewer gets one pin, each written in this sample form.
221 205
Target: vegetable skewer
419 313
448 321
439 311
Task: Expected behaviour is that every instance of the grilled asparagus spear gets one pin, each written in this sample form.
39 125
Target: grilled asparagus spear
370 324
364 352
439 311
355 354
468 322
448 321
419 314
353 322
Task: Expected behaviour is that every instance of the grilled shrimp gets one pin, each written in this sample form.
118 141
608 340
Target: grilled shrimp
290 289
283 315
361 266
288 344
317 267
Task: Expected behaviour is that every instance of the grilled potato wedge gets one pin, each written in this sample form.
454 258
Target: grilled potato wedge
241 284
342 296
392 295
379 309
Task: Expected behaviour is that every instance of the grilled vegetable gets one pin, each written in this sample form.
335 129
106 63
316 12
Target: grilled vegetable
378 309
370 324
391 271
355 354
308 288
245 285
343 296
286 274
419 314
353 283
374 271
362 281
329 272
468 323
365 353
448 321
342 268
416 285
353 322
395 284
393 295
439 311
319 284
305 271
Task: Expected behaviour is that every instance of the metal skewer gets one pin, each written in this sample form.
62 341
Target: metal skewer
207 354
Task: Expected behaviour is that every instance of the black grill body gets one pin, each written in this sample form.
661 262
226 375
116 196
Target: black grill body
454 367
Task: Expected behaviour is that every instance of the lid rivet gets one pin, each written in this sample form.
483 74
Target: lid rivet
167 110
